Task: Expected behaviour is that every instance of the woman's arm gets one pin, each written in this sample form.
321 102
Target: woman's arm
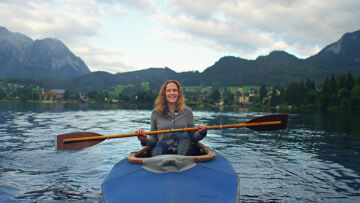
200 133
148 140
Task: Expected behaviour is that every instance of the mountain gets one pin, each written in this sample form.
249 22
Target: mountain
101 80
22 57
13 50
346 48
54 55
280 67
155 76
229 70
276 68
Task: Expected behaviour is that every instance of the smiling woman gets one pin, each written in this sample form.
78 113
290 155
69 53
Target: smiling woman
170 113
170 87
171 94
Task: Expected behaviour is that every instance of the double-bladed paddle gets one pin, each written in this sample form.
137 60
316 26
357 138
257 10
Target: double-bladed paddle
80 140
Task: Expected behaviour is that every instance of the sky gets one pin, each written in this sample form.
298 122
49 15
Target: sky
183 35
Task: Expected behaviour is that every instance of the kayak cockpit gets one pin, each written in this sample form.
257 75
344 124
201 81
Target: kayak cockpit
171 162
201 154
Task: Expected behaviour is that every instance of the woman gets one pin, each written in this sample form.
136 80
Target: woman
170 112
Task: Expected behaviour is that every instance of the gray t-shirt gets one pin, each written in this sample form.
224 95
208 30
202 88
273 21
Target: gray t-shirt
183 119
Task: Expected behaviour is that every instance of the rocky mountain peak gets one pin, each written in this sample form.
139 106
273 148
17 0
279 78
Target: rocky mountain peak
19 52
346 48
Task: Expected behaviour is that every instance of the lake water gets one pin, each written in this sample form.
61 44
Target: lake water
315 160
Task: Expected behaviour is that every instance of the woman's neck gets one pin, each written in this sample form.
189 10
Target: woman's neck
172 108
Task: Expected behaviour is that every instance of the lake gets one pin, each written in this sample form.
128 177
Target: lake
315 160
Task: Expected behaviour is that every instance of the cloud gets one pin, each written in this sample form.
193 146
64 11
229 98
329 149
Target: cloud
102 58
40 19
143 5
245 28
92 7
225 34
68 20
253 25
296 20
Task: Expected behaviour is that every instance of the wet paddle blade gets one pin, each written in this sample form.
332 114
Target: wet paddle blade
76 145
268 118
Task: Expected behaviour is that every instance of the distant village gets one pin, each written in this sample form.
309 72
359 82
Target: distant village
13 92
243 96
340 93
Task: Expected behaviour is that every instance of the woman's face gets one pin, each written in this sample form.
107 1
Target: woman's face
171 93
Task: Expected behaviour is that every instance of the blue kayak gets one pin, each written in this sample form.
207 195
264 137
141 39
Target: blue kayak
172 178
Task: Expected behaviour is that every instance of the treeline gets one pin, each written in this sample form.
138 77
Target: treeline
136 95
335 93
23 94
144 97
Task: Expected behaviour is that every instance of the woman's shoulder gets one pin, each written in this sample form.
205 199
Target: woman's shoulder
155 114
187 110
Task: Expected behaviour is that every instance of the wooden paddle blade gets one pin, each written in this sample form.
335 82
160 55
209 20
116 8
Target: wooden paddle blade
76 145
268 118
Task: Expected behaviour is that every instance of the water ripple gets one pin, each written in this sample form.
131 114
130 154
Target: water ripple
302 163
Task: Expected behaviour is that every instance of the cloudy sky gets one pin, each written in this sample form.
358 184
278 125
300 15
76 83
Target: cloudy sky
184 35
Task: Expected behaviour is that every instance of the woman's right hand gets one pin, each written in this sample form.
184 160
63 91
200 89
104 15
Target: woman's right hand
141 135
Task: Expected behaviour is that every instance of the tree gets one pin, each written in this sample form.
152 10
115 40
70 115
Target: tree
342 93
300 93
309 85
123 97
310 97
290 93
275 97
215 95
349 81
327 86
332 84
92 94
98 96
355 99
228 97
25 94
144 97
71 95
2 93
263 92
74 96
343 100
282 94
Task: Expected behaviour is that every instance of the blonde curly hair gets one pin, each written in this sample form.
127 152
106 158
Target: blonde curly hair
161 103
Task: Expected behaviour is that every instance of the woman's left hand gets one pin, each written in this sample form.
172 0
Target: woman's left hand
202 128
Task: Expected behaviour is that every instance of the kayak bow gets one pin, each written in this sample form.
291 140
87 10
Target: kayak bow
172 178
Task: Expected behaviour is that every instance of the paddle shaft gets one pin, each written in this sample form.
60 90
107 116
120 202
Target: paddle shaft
171 131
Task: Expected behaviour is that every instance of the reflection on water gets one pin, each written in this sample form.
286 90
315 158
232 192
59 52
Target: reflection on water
315 160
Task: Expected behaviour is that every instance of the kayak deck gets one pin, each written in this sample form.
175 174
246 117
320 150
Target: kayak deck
211 181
